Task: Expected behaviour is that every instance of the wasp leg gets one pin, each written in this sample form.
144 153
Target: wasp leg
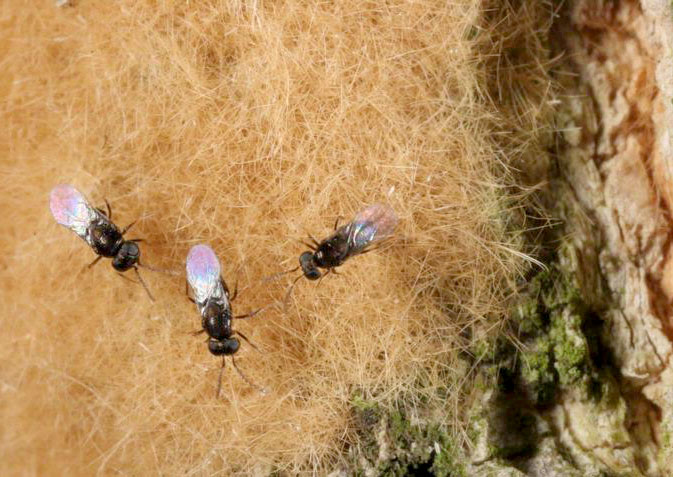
109 210
336 223
376 247
96 260
247 340
329 270
187 293
317 244
312 247
233 297
248 315
126 229
224 285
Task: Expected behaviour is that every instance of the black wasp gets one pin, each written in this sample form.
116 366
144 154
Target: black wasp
369 226
211 296
72 210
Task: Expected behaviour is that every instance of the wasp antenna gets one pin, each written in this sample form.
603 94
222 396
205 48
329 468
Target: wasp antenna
126 278
143 284
276 276
160 270
289 290
262 391
94 262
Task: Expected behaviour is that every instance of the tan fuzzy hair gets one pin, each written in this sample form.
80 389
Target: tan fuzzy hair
246 126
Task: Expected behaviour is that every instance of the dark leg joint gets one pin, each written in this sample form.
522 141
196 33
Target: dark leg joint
248 315
94 262
128 227
247 340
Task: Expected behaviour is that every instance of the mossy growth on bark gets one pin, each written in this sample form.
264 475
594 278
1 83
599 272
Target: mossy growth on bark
553 349
559 341
396 444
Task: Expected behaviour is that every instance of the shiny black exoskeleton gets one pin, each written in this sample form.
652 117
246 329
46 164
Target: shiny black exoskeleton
329 253
127 256
366 232
216 318
108 241
216 322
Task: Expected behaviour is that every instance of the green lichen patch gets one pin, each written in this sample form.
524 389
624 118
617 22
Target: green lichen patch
570 349
557 350
552 320
393 444
557 344
665 453
537 370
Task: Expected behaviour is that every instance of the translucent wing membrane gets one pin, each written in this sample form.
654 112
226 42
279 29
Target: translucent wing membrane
373 224
70 209
203 272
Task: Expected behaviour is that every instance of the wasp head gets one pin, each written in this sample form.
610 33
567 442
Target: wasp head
308 266
127 256
226 346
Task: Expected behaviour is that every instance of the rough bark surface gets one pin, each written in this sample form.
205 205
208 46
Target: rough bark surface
588 390
616 157
610 410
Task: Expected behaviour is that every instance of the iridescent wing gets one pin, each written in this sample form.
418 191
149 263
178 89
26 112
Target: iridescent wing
71 209
203 274
373 224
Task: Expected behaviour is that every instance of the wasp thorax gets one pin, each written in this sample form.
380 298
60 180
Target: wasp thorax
105 239
216 321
